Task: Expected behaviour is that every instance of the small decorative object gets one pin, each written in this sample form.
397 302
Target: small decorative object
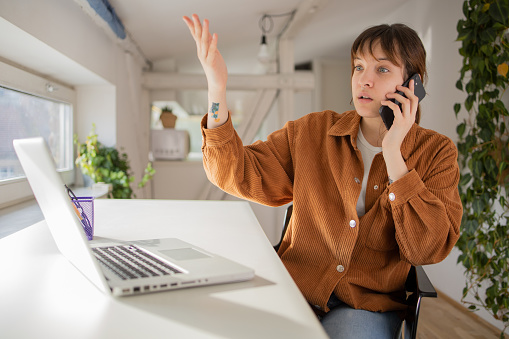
167 117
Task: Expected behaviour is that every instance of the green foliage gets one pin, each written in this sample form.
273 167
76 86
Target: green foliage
484 155
108 165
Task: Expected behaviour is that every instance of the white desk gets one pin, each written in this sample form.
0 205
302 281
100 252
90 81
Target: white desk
43 296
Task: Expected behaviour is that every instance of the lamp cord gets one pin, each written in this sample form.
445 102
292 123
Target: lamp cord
266 22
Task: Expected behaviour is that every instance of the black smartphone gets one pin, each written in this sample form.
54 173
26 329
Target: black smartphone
387 114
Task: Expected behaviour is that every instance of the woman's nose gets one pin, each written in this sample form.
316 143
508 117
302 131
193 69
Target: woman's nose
366 80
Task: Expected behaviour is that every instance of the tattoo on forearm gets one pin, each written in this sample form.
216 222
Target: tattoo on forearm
213 111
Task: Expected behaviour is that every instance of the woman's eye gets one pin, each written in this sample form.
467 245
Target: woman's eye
358 68
383 70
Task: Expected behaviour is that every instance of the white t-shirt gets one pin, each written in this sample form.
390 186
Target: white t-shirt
368 153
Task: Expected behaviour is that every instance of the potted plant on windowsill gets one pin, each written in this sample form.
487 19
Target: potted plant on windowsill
167 117
107 165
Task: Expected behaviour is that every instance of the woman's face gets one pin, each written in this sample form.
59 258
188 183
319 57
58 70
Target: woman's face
374 76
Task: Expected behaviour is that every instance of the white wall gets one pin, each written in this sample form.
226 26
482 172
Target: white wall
333 88
99 102
62 25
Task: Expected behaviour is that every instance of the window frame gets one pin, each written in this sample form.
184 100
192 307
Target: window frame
18 190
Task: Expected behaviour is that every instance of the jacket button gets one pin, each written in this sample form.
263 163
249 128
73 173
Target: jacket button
357 180
340 268
353 223
392 196
376 187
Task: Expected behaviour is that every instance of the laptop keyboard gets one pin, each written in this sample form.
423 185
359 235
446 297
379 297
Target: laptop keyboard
130 262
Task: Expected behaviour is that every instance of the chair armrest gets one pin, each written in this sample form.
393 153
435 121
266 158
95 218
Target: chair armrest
424 286
288 215
418 286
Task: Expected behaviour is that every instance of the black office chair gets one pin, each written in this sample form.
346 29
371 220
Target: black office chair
417 286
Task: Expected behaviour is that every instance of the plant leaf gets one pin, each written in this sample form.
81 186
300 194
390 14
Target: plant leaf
460 129
499 11
502 69
459 85
457 108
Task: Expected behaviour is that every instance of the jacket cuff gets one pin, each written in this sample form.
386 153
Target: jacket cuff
405 188
216 136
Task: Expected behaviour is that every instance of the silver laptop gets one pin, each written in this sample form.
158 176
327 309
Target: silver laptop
117 267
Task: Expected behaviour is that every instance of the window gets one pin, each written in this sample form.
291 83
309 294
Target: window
24 116
32 106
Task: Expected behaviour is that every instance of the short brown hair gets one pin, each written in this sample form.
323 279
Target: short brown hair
400 43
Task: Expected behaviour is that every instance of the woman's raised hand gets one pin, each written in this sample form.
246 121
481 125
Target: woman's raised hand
208 54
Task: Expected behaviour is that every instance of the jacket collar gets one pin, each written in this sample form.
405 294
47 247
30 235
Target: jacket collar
348 125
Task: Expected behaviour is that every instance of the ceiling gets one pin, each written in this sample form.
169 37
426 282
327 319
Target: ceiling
156 26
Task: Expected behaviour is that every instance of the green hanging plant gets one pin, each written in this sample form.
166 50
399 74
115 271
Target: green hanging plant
108 165
484 156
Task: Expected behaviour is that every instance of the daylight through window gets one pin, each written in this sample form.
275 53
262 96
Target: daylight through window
24 115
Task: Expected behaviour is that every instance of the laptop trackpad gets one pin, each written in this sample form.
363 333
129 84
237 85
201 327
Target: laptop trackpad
182 254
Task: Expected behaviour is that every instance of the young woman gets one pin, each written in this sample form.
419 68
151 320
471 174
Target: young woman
367 202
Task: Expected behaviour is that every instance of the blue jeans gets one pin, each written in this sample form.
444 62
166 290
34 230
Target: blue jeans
342 321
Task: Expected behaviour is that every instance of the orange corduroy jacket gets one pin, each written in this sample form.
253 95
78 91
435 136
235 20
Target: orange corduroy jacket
314 162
